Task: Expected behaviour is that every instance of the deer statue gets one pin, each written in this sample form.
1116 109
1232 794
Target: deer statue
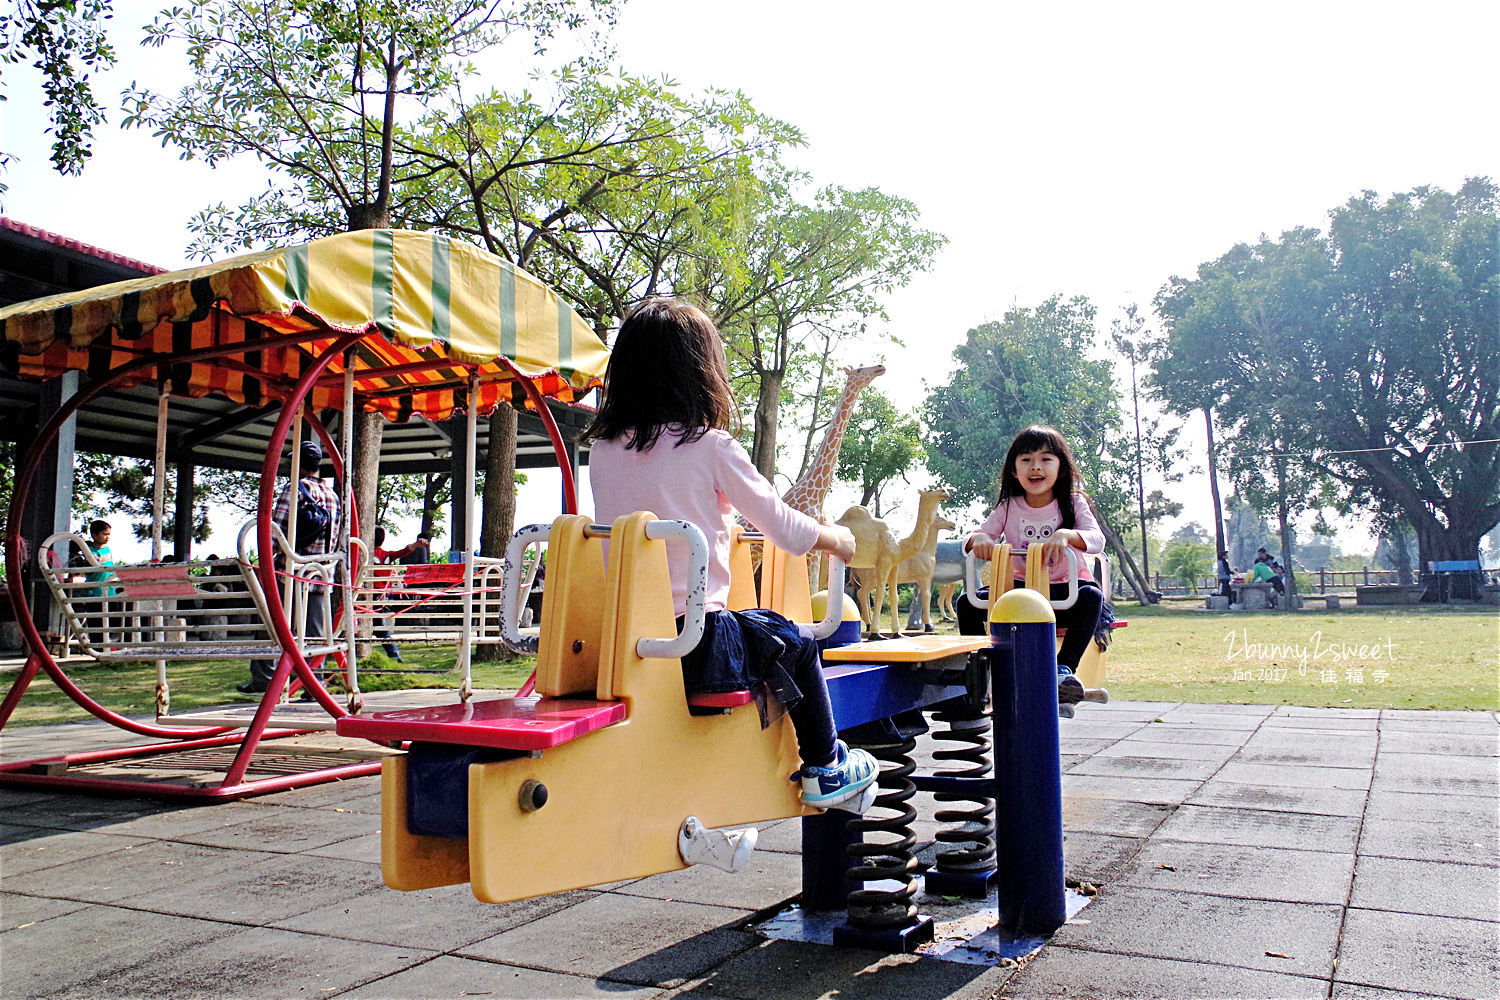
877 549
919 569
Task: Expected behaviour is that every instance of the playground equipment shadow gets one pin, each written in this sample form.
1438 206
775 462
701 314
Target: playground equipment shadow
1238 851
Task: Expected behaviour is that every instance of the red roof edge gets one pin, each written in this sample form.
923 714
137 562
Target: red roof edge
79 246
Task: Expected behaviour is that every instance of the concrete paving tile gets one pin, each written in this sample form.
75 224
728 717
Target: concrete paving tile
1360 758
78 812
1166 791
1322 723
260 962
1169 750
1080 727
629 939
767 880
274 828
95 943
784 835
1445 743
1291 876
1422 839
148 867
1068 761
1148 767
440 919
1210 718
178 822
1293 775
266 888
1311 739
1170 733
448 976
366 849
1078 745
791 970
1305 711
17 910
1260 711
1439 717
1117 817
1244 795
1061 971
329 793
56 847
1260 828
1437 888
1188 926
1354 991
12 798
1464 810
1097 857
1435 956
1473 727
1430 772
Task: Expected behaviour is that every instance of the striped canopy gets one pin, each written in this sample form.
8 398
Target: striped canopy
434 308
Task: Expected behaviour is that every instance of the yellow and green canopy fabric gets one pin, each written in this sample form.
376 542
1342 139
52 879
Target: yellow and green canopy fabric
434 308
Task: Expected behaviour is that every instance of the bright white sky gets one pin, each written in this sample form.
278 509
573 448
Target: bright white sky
1082 148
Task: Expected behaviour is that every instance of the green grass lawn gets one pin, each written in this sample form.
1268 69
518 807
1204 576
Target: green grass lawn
1428 657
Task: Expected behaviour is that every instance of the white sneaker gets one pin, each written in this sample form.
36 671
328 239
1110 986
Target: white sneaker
724 849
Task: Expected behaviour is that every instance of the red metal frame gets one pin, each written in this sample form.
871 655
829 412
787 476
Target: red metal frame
291 664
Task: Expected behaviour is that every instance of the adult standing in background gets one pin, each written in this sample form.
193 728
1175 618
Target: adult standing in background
317 526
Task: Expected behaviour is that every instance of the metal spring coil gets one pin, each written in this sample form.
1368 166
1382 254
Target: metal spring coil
893 860
976 825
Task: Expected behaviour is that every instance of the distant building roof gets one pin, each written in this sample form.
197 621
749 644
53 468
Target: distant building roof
78 246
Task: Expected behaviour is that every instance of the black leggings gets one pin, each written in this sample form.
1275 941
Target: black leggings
1080 620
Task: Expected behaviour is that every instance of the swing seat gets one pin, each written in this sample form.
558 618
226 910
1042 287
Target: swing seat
526 724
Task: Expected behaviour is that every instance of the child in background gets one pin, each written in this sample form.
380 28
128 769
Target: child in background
661 444
1041 503
99 534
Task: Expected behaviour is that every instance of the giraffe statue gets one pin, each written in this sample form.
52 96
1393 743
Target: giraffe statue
808 493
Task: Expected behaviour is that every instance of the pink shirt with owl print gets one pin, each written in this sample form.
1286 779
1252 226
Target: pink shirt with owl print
1017 522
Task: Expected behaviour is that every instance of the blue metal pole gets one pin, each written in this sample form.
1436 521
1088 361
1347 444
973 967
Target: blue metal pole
1028 776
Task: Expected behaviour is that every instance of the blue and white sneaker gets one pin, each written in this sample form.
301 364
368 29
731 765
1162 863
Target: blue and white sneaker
1069 692
845 778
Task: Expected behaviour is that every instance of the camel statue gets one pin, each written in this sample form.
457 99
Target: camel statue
877 549
919 569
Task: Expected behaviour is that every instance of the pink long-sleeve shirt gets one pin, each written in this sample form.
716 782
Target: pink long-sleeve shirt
1017 522
701 481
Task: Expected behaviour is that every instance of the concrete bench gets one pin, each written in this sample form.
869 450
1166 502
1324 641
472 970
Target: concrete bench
1256 596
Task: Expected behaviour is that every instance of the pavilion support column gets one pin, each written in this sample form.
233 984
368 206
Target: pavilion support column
182 527
459 514
51 506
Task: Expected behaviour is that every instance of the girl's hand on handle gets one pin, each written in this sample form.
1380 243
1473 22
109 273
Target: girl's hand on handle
1057 545
836 540
982 545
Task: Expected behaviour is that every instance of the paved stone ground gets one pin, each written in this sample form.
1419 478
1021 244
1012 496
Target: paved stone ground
1240 851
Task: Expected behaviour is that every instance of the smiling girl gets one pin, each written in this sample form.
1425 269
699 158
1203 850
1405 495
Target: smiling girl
1041 503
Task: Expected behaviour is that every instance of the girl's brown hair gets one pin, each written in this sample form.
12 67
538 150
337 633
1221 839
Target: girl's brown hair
667 367
1039 437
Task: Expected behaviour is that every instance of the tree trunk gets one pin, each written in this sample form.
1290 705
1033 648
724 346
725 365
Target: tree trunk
498 518
1128 568
1283 514
1213 484
767 408
1457 542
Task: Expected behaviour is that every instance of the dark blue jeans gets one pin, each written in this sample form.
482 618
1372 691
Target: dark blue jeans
1080 620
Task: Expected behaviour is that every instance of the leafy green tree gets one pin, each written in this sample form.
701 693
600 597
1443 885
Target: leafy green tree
1366 356
1188 561
65 40
881 445
799 275
1034 366
116 488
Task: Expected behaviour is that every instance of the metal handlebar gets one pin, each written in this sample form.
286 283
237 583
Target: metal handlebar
510 588
971 578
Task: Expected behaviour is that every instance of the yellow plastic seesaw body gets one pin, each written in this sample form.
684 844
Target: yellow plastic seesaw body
617 796
1091 666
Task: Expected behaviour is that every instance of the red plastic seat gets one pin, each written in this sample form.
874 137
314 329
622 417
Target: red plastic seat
504 723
